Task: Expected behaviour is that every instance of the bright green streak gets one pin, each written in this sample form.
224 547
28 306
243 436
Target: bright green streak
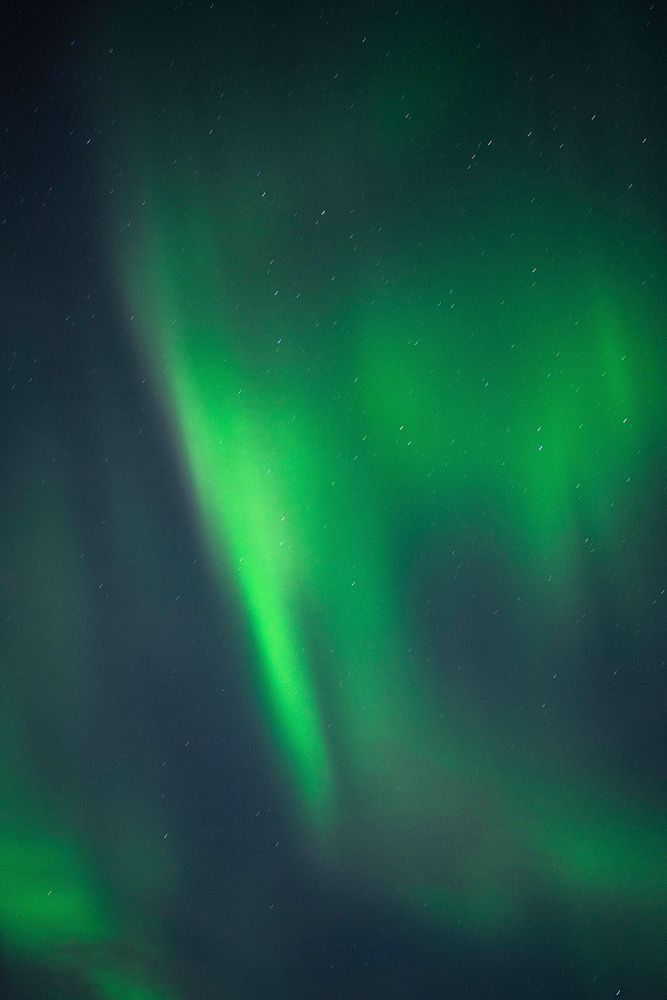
243 486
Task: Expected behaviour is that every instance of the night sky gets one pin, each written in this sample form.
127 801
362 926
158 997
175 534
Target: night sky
334 478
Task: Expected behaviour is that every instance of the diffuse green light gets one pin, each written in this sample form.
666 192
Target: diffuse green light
57 913
511 397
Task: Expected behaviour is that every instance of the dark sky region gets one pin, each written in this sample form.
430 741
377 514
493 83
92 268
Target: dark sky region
333 537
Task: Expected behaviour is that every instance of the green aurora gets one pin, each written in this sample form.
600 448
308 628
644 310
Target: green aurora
373 408
521 386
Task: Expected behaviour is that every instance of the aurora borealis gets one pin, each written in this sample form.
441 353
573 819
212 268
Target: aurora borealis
334 547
